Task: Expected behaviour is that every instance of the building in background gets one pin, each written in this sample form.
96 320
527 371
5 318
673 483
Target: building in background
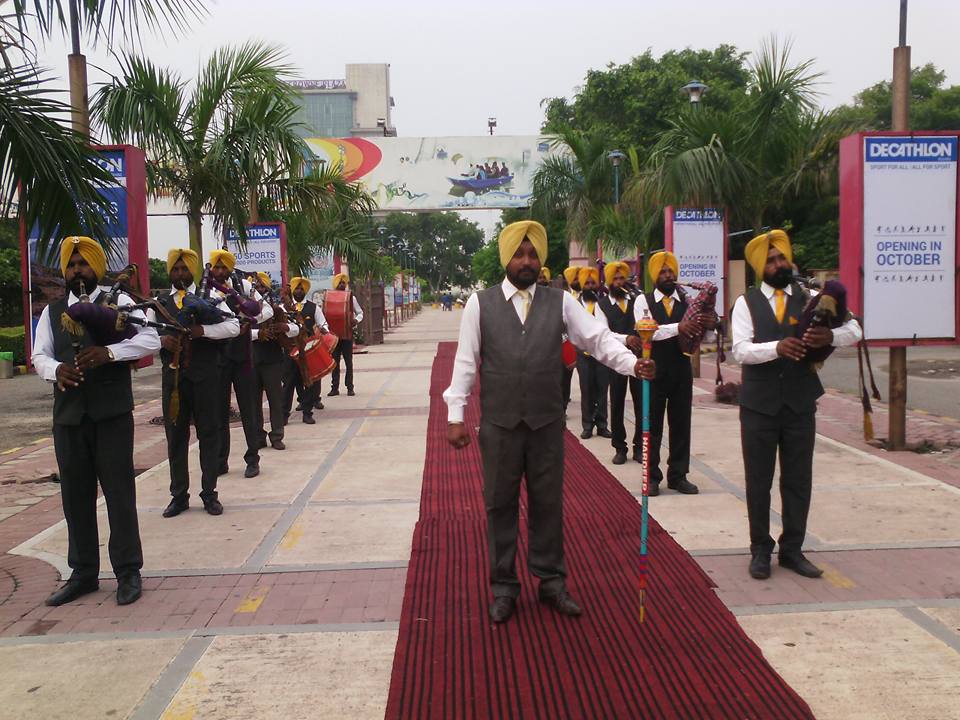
357 106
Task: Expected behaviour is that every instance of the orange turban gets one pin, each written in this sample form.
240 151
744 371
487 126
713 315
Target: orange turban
298 282
611 269
757 250
89 249
570 274
190 259
585 273
228 258
545 271
658 260
338 278
514 233
264 278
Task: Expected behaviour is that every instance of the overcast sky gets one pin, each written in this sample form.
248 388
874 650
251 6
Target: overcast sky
454 64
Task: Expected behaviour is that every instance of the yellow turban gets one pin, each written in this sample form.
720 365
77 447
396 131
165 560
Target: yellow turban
190 259
585 273
228 258
757 249
264 278
297 282
658 260
338 277
611 269
570 274
89 250
514 233
546 272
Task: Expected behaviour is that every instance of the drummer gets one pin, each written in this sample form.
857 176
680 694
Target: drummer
313 319
344 348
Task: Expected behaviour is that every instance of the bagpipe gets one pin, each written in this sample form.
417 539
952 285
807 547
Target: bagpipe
240 302
827 309
705 303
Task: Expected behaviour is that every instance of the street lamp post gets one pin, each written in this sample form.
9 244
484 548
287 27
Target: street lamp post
695 90
615 157
491 124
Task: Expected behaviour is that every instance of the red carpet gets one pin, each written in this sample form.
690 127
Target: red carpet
690 659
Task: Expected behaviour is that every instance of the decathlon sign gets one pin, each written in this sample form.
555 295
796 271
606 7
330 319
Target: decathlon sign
898 234
265 249
698 237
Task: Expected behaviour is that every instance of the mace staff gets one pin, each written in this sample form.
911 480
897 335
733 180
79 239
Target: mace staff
646 327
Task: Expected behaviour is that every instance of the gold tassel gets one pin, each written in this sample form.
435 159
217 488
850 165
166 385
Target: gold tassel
867 426
71 326
173 411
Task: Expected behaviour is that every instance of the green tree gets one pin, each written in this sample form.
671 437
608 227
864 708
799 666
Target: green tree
214 145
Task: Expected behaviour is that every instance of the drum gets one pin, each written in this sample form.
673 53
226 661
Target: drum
330 342
569 354
319 360
338 309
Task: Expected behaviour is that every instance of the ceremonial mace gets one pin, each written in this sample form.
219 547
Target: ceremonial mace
646 327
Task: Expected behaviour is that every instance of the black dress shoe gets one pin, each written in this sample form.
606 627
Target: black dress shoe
799 564
620 457
760 566
224 469
502 608
604 433
350 392
308 420
586 434
683 486
129 589
213 507
251 471
563 603
333 393
298 408
637 455
71 591
175 508
653 489
278 445
318 405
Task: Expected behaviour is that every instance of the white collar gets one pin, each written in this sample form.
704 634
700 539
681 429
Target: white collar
769 290
509 289
658 296
192 289
71 298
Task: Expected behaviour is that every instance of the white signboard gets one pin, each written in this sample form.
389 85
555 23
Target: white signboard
909 237
698 243
264 250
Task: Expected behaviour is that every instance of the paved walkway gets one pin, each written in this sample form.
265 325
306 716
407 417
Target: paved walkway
287 605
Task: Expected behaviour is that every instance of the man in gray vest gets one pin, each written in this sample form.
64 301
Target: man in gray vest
513 332
92 425
778 400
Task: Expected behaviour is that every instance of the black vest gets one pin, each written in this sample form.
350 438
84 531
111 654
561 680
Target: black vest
266 352
105 392
767 387
670 359
622 323
309 314
204 353
521 371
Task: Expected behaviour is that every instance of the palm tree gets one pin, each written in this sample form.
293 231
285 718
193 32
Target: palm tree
774 145
215 147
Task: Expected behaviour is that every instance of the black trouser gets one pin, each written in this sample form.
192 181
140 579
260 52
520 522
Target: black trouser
567 382
293 380
268 378
200 402
618 401
239 377
672 396
509 455
86 453
594 381
343 349
761 436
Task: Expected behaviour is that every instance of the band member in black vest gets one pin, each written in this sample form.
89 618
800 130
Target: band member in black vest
778 400
344 347
313 319
236 366
92 426
671 393
191 387
271 339
617 306
594 375
512 333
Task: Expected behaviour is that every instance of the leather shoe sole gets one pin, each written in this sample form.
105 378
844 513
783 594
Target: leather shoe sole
502 608
72 590
129 590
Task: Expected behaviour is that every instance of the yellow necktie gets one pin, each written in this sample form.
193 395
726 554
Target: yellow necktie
179 299
623 306
525 294
299 307
668 304
590 306
781 310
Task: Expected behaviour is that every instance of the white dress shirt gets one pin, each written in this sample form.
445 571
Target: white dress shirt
666 331
144 343
223 330
747 352
357 310
585 331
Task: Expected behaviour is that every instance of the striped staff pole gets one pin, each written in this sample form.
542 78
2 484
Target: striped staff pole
646 327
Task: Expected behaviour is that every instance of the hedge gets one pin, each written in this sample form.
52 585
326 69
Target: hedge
12 340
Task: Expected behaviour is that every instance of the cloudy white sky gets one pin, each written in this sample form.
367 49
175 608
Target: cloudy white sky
453 64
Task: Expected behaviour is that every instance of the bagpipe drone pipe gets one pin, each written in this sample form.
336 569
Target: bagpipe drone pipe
705 303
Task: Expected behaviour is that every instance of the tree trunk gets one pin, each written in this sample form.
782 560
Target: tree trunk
195 223
253 200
